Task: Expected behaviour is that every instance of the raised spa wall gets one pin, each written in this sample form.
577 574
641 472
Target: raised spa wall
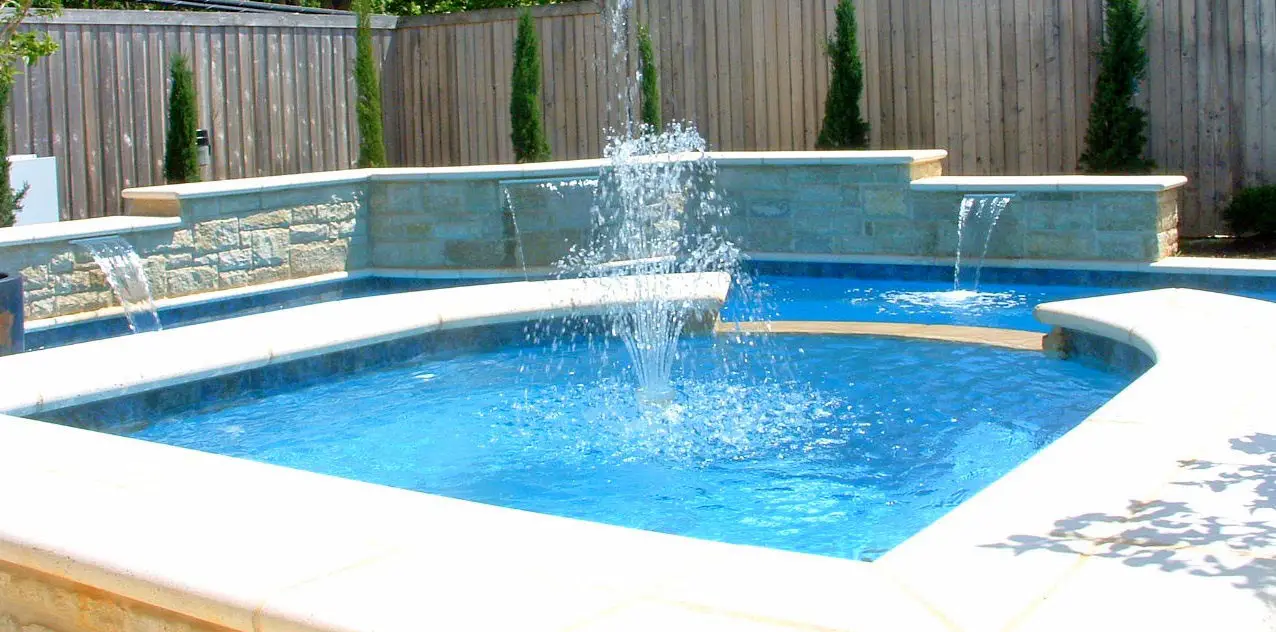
203 237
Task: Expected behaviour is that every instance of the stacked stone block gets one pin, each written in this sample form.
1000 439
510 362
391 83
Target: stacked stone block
1072 225
819 209
458 224
226 242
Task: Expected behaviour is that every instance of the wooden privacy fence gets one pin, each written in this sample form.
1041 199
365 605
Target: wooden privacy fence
1004 85
275 92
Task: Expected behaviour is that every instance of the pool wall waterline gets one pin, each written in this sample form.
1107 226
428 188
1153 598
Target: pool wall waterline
291 550
203 237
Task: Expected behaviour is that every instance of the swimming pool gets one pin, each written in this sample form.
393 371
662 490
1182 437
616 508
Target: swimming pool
835 445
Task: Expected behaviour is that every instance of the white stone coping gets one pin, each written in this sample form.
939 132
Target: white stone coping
111 367
257 547
83 229
1009 557
192 190
1065 184
521 171
1170 265
533 273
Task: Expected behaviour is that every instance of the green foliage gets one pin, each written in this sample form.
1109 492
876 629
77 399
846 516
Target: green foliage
130 5
181 155
1117 134
420 7
16 47
368 84
392 7
650 81
10 200
844 125
530 144
1252 211
22 46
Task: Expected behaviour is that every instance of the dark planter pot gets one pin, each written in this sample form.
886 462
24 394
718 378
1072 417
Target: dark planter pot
10 313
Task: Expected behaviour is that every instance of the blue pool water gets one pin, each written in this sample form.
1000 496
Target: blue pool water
842 446
924 302
930 299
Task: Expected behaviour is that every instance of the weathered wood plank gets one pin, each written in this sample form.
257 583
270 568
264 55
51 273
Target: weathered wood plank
755 80
996 89
873 91
980 104
901 101
59 124
1191 92
1267 46
1252 99
738 94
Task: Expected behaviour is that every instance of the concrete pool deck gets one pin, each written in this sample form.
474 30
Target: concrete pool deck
1154 513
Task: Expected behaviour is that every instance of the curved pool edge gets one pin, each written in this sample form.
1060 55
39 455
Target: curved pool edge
1101 529
102 369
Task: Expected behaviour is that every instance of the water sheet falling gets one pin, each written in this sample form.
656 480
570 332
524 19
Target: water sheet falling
124 272
985 207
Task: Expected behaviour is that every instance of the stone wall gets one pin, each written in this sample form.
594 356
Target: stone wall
35 602
822 209
783 207
1138 225
224 242
467 224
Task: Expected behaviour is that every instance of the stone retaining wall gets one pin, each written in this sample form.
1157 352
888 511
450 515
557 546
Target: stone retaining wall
787 206
482 224
1078 224
224 242
822 209
230 234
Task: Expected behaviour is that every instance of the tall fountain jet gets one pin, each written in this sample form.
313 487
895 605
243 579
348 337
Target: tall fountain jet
656 213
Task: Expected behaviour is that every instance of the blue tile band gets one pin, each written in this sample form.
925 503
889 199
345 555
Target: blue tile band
128 413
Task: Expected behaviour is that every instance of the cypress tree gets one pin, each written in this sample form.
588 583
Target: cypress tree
368 87
10 200
181 156
844 125
528 136
1117 132
650 81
